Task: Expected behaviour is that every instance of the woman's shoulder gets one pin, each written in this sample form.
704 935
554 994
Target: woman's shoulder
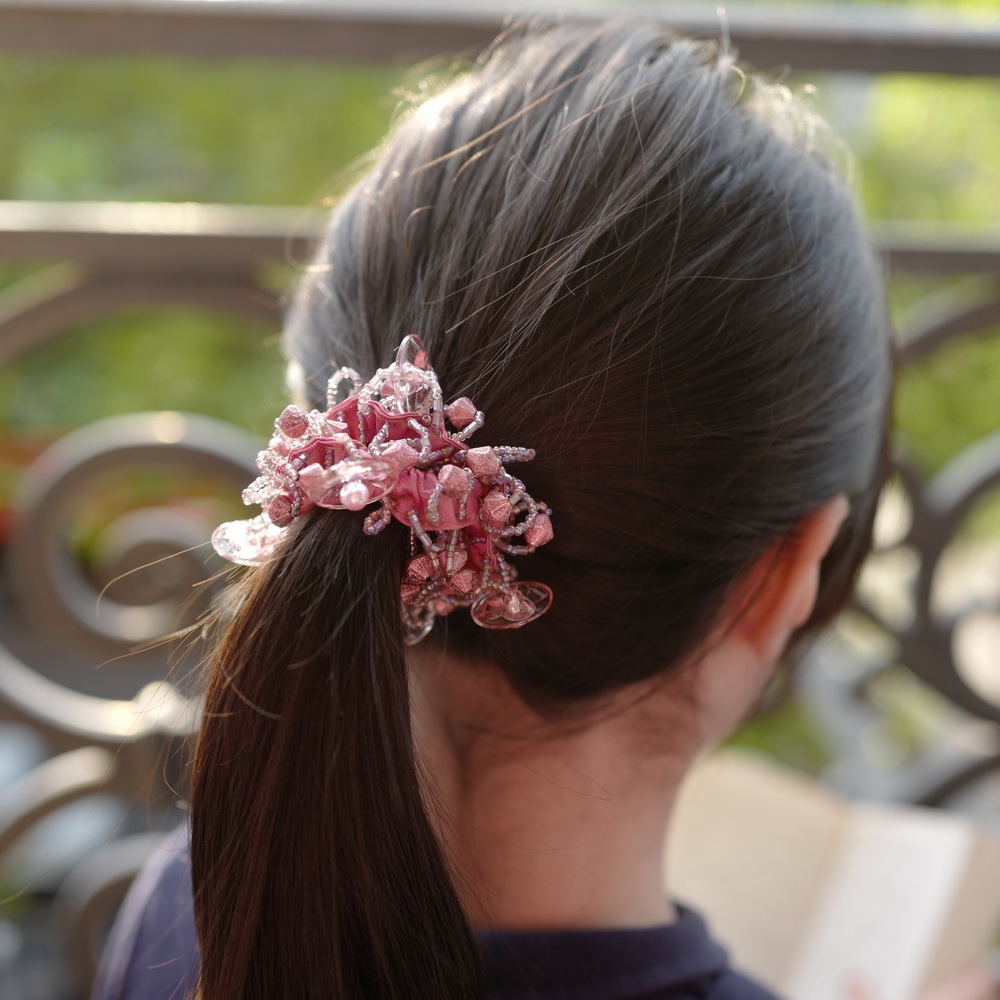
152 952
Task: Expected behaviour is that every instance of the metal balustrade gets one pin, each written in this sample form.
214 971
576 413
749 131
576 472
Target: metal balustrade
115 255
858 39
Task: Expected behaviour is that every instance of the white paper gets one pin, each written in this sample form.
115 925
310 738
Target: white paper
887 897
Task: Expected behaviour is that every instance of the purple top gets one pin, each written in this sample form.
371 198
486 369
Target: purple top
152 952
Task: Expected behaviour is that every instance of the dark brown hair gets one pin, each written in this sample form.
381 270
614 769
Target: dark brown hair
637 261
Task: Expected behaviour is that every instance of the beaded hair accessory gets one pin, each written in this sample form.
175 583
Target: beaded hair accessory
388 444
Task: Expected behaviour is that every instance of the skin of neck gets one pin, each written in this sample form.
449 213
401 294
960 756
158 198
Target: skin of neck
562 822
553 824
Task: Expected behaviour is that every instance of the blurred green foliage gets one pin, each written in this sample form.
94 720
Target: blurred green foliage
155 129
787 733
142 129
281 132
284 132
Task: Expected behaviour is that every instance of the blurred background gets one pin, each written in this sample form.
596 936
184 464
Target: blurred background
162 167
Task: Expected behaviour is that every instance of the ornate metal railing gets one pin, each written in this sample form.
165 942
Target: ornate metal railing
122 733
858 39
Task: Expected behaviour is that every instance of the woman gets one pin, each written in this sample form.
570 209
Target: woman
638 262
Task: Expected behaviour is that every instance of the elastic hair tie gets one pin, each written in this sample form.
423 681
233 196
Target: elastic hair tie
387 444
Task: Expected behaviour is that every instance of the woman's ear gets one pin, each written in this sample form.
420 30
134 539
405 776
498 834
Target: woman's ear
781 589
774 599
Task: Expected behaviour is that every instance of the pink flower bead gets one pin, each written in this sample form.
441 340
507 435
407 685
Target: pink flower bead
400 455
420 568
540 532
294 421
455 481
464 582
496 508
279 511
482 461
462 412
458 559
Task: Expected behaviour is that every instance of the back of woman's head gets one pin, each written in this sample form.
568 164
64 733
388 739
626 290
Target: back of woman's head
637 262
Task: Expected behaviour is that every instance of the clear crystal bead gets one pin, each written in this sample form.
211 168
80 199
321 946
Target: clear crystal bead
247 543
513 606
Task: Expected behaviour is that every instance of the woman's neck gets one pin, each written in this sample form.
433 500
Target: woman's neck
544 830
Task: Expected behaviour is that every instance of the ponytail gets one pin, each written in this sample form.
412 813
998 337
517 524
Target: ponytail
316 871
